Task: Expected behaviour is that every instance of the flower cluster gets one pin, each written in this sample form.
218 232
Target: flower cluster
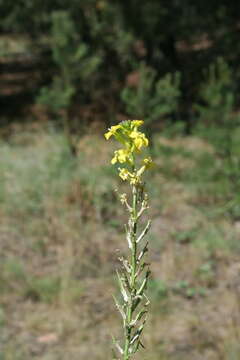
133 141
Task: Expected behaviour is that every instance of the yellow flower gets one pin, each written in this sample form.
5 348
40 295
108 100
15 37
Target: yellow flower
133 140
137 123
134 134
123 173
139 139
112 131
115 158
133 178
122 156
148 162
127 134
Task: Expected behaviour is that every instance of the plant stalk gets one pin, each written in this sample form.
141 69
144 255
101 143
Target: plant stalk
133 262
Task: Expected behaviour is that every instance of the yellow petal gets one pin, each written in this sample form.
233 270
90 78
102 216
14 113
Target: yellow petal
138 142
145 140
134 134
148 163
122 158
108 135
112 131
123 173
114 159
123 155
137 123
114 128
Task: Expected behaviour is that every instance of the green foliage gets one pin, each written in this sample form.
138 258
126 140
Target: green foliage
87 44
217 94
12 276
186 289
75 63
206 274
28 176
44 289
33 178
13 269
223 127
2 317
211 239
158 289
12 353
184 237
73 59
58 96
152 99
232 350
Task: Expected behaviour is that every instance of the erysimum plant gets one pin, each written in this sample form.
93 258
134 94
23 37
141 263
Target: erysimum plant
134 273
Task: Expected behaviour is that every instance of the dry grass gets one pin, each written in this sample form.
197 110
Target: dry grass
61 233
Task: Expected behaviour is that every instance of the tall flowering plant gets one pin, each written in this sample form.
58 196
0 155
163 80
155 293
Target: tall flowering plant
134 274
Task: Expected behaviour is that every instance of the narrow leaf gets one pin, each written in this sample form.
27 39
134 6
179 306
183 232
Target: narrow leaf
137 333
139 316
136 302
144 250
140 269
125 264
117 345
122 288
144 232
120 309
128 236
144 284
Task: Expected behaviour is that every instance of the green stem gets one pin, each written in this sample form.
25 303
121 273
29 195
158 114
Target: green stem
133 219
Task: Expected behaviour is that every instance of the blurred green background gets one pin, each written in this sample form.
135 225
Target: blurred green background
69 70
